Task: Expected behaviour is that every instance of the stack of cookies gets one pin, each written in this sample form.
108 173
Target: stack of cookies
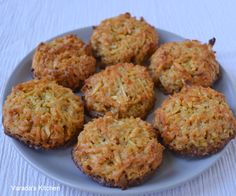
117 73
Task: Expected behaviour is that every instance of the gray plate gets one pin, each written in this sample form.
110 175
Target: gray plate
58 165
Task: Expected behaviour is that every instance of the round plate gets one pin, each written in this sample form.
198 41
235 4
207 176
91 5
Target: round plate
58 165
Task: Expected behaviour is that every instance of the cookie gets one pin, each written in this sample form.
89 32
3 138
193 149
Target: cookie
118 152
43 114
66 60
123 89
124 39
195 122
175 64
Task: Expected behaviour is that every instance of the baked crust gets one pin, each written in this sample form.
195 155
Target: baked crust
43 114
124 39
67 60
175 64
118 152
195 122
123 89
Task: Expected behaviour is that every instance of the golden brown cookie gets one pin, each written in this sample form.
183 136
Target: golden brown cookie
67 60
123 89
124 39
118 153
43 114
175 64
195 122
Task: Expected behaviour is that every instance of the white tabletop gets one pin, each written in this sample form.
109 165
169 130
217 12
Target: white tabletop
23 24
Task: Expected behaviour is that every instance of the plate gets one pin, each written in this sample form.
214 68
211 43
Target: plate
58 165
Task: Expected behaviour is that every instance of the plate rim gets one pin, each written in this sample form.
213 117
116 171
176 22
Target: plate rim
101 191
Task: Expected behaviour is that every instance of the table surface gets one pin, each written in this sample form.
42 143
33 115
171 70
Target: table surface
23 24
